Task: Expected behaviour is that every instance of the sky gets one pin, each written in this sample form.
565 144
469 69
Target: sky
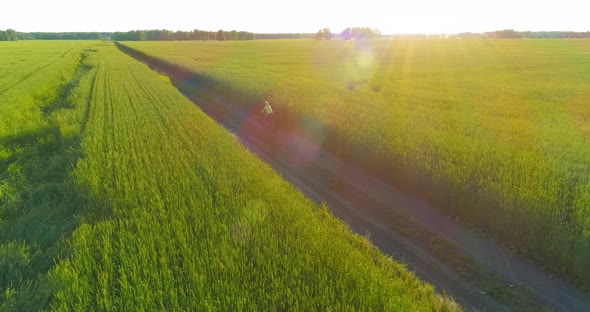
295 16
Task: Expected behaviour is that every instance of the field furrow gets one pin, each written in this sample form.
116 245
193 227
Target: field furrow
40 125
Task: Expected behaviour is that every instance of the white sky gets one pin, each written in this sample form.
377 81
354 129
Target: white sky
263 16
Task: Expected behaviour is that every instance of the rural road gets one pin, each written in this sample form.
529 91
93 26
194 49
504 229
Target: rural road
371 206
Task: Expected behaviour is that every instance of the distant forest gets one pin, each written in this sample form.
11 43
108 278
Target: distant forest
135 35
322 34
220 35
498 34
8 35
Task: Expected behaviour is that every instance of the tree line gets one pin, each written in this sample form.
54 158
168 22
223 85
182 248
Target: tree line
512 34
285 36
498 34
8 35
359 33
62 36
168 35
323 34
135 35
12 35
326 34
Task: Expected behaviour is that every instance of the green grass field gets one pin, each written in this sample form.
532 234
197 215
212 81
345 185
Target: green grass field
39 139
498 127
119 194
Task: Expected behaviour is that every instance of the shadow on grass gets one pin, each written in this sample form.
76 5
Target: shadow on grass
40 204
